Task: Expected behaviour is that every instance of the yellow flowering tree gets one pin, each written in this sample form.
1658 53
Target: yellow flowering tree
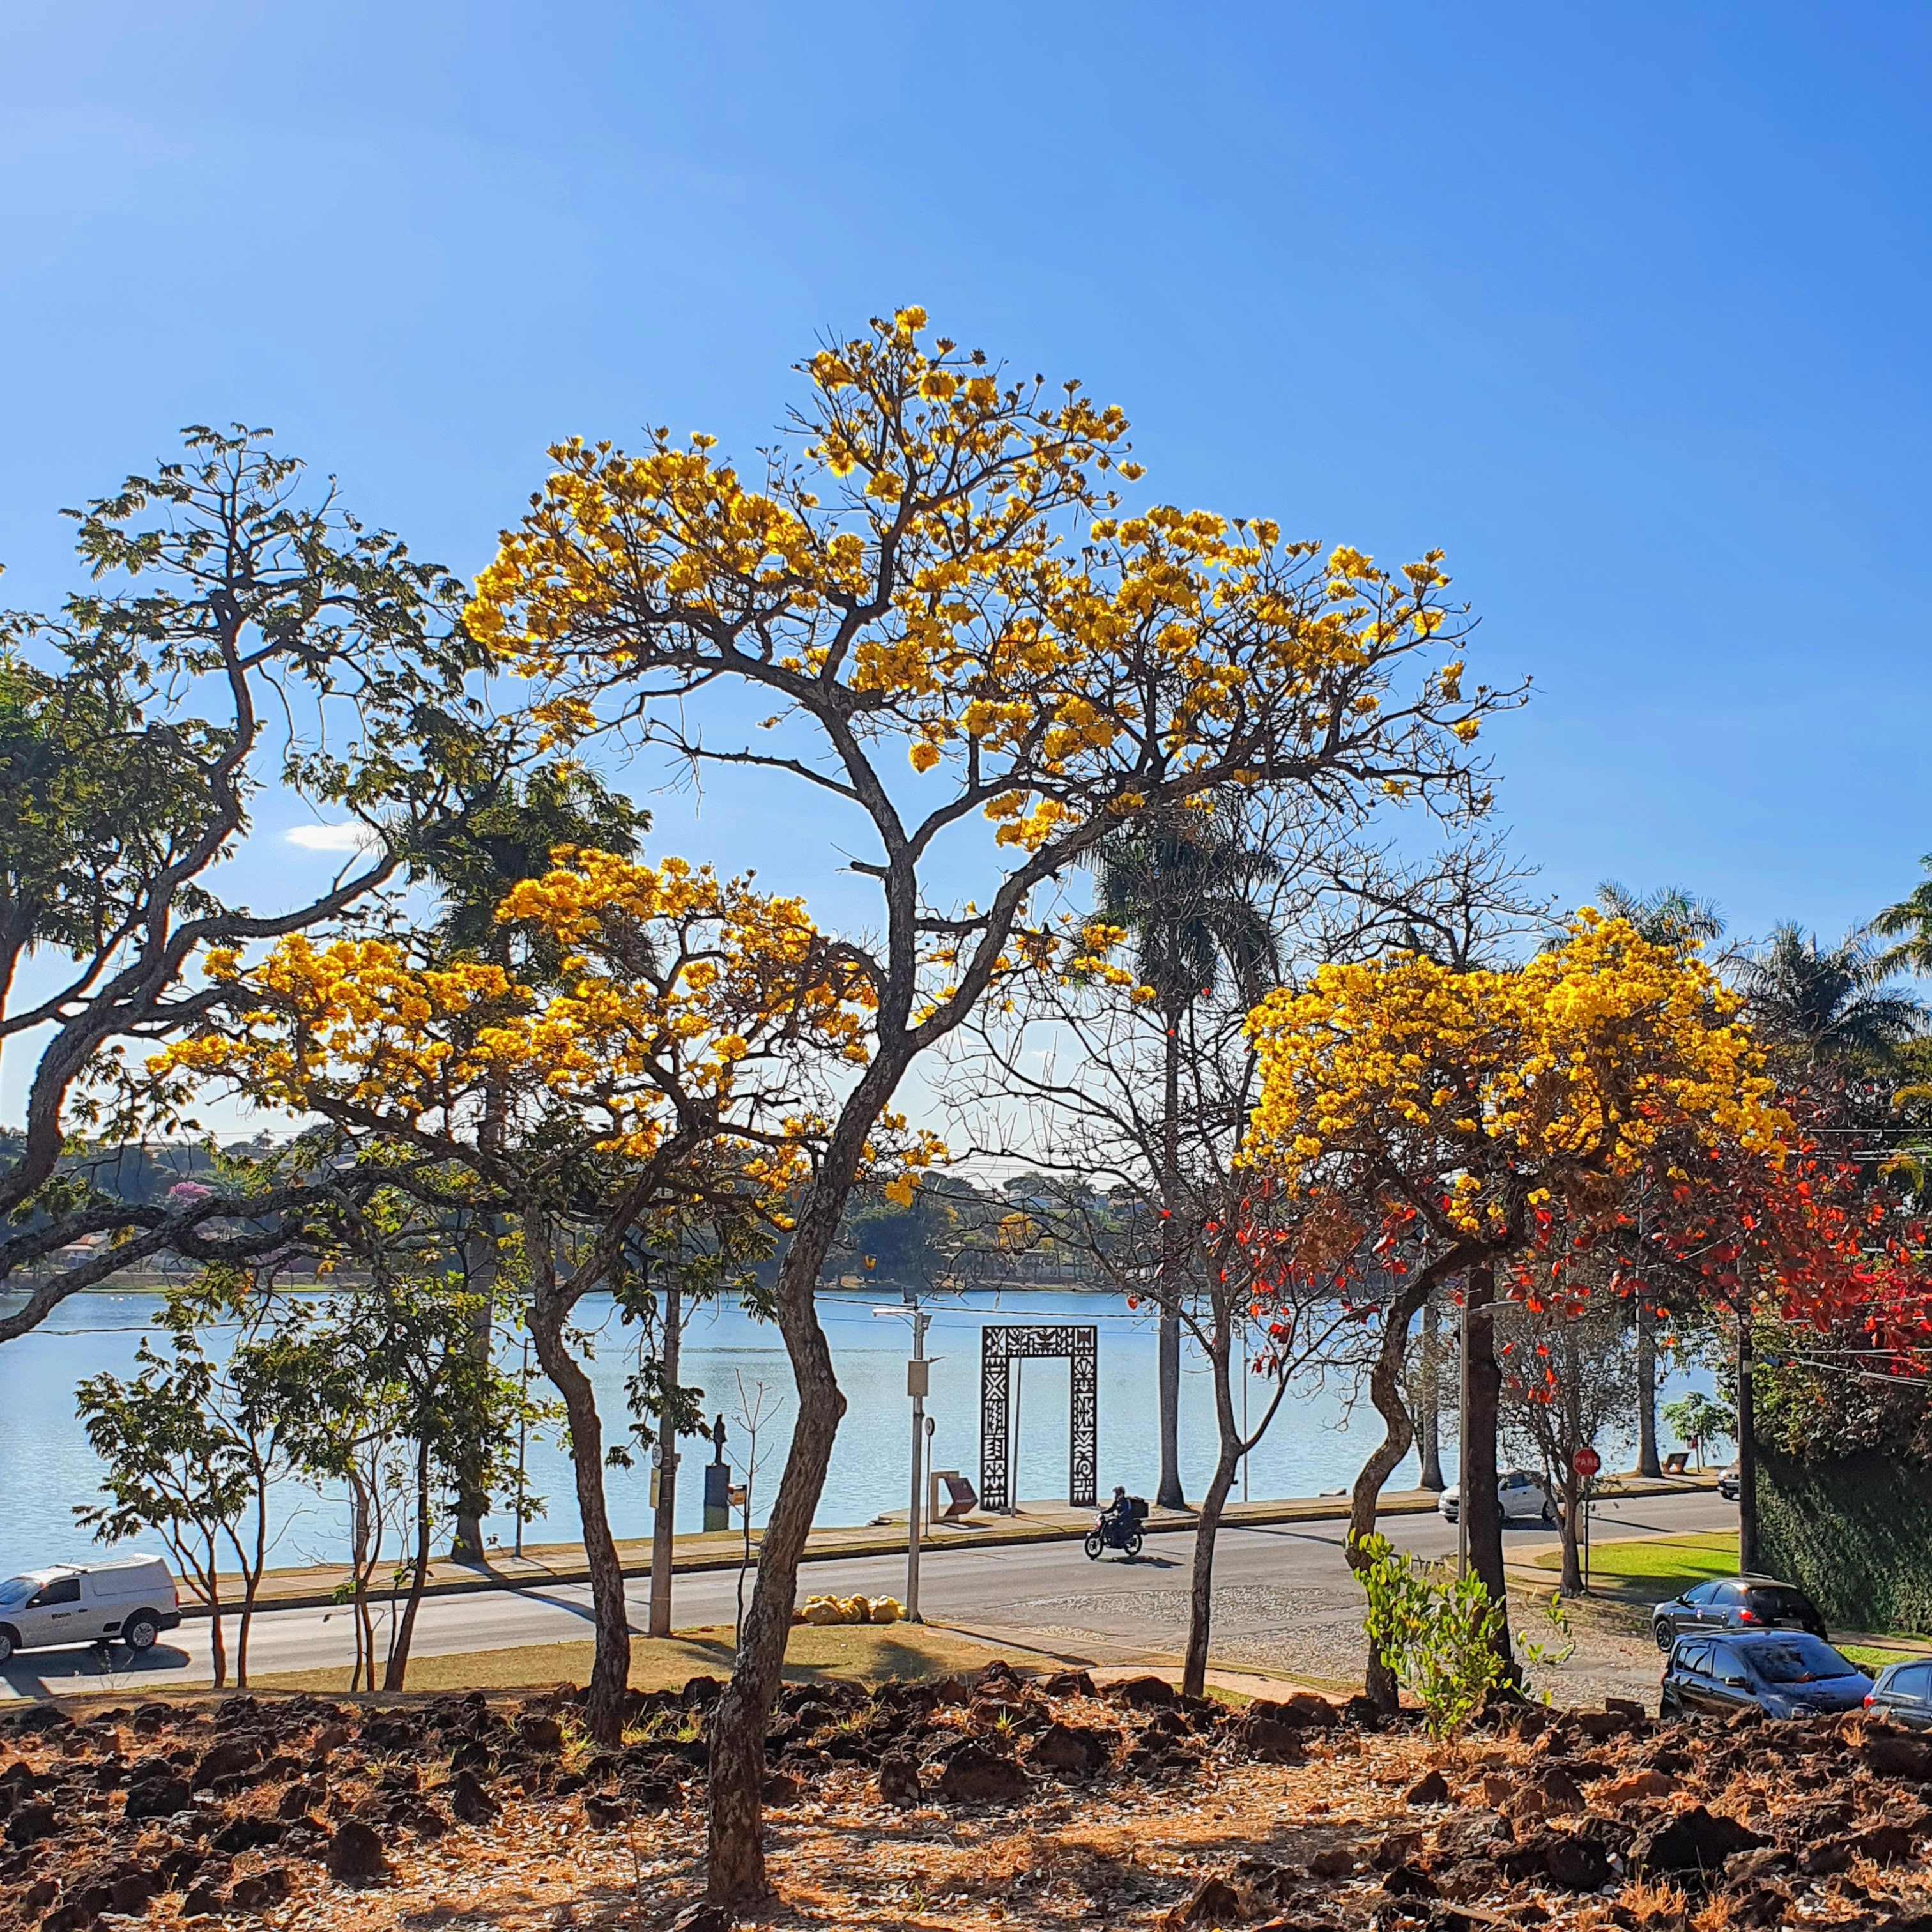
675 1068
1440 1121
952 619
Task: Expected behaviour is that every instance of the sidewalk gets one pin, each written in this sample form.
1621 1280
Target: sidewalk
545 1566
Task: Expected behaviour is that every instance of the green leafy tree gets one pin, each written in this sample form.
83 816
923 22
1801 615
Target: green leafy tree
240 629
171 1467
1701 1421
1441 1637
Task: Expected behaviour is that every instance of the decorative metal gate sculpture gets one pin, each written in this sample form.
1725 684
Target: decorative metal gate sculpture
998 1348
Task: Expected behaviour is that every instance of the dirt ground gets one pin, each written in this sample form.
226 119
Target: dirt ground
991 1800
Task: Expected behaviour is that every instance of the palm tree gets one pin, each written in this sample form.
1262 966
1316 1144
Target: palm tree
1910 922
1828 1005
1665 915
507 834
1184 886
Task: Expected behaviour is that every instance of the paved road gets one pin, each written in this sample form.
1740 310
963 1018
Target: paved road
1283 1597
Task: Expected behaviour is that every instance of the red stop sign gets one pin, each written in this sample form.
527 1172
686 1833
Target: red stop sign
1586 1461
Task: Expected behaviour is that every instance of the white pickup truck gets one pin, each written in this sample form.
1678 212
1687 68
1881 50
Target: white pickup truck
130 1599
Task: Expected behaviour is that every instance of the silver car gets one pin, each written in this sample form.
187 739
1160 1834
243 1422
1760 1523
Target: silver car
1522 1496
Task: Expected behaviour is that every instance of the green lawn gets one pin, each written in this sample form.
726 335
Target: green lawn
1681 1560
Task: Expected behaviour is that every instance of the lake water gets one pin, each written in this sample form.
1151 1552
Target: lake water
47 1467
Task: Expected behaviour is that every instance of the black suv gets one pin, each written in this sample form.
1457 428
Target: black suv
1746 1604
1903 1692
1783 1673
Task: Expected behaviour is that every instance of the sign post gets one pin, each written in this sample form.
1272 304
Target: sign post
1586 1463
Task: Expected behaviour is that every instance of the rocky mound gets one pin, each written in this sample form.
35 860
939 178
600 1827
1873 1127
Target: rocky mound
964 1802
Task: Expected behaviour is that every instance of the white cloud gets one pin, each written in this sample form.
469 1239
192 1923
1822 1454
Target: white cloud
350 838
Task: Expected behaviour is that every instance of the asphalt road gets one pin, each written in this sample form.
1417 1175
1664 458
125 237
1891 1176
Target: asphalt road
1282 1594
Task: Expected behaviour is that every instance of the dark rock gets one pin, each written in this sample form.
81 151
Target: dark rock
1884 1844
229 1759
1268 1741
248 1833
701 1693
263 1890
1080 1749
202 1901
1693 1841
355 1854
1749 1867
1575 1862
30 1823
702 1918
898 1782
1432 1788
1399 1848
157 1797
38 1896
1408 1881
541 1732
1333 1862
131 1894
606 1813
1213 1902
1561 1792
424 1821
1365 1713
974 1775
300 1799
1068 1683
470 1800
472 1754
1760 1905
1144 1693
1827 1856
1891 1757
179 1868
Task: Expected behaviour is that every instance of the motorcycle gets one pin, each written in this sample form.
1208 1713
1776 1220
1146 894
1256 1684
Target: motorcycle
1112 1532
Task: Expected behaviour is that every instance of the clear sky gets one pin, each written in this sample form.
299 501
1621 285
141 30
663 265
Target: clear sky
1625 307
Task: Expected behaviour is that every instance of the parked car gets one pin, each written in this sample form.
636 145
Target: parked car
1783 1673
129 1598
1523 1497
1903 1692
1728 1483
1745 1603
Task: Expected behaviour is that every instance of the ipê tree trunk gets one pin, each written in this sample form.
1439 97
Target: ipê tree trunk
1432 1394
1208 1524
1572 1585
1378 1680
1168 1493
1648 1463
1481 1507
610 1665
736 1871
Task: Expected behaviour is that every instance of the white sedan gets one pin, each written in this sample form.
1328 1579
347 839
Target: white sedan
1522 1498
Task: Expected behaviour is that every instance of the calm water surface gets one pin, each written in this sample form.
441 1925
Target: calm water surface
47 1466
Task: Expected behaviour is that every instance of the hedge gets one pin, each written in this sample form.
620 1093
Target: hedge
1855 1535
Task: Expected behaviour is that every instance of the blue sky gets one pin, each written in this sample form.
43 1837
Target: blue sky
1623 307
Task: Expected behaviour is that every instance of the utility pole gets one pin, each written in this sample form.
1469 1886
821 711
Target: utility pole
1463 1443
918 1382
522 1441
1747 1550
664 1523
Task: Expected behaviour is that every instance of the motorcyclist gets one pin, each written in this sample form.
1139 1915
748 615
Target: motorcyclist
1117 1517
